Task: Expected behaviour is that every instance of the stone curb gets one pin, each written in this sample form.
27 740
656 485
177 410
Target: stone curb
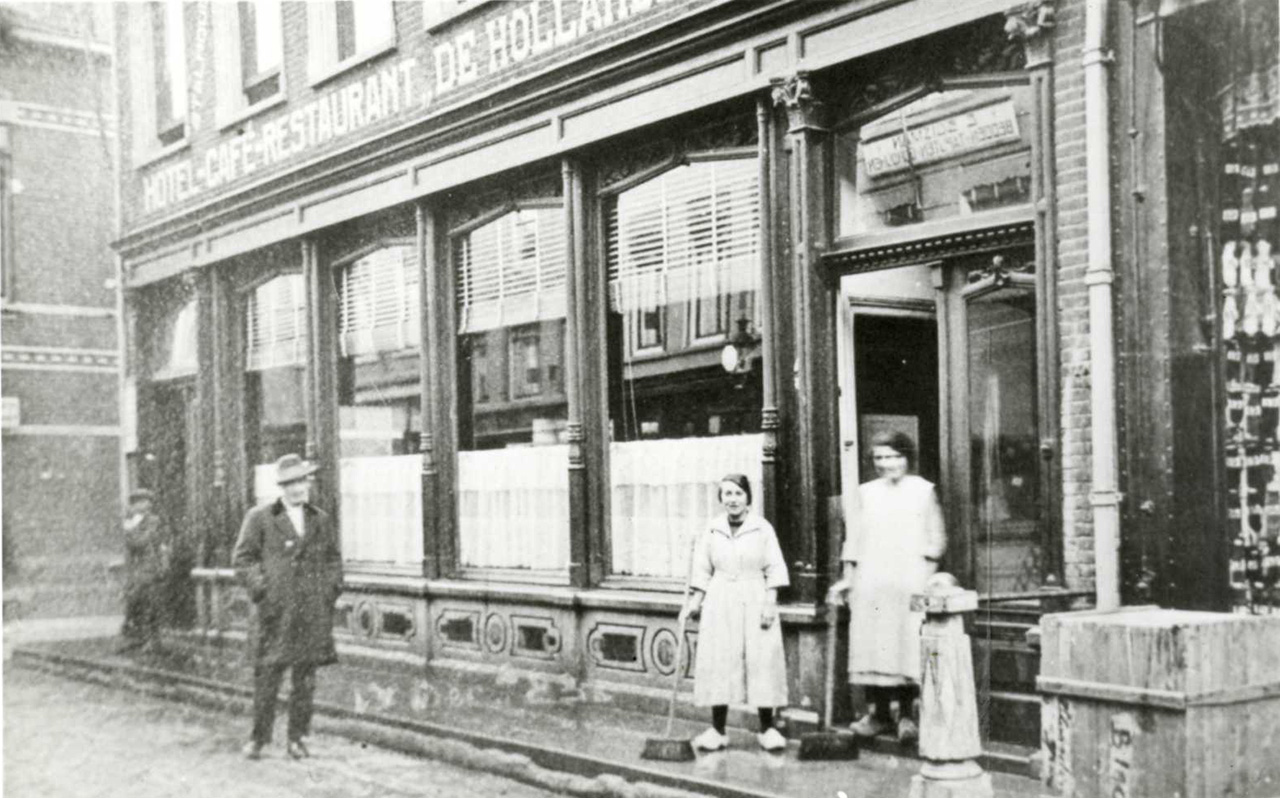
559 771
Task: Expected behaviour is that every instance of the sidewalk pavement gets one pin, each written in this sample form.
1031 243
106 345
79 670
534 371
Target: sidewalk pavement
539 741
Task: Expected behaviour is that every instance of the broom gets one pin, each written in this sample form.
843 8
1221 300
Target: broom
667 748
829 743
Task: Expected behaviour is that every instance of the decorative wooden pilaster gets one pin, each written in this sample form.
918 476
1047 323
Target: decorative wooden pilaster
426 243
768 347
321 370
813 458
575 253
220 339
1033 24
440 293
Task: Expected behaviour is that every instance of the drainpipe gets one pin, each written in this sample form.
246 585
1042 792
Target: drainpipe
1105 496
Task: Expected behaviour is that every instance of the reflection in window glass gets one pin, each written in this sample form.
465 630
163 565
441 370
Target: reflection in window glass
683 270
950 153
379 333
276 350
1003 441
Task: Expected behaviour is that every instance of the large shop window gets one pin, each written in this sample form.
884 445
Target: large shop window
683 271
275 384
953 153
379 406
255 79
513 461
345 33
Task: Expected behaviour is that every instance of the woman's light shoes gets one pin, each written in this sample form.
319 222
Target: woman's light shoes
711 740
772 740
908 732
870 726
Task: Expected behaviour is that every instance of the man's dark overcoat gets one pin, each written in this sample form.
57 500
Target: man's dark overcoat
293 581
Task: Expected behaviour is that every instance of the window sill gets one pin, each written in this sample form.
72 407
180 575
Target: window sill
449 17
162 153
329 73
242 114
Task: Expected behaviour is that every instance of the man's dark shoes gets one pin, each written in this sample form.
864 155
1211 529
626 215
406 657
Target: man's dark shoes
252 750
298 750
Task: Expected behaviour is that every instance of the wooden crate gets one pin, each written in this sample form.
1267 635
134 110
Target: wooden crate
1160 704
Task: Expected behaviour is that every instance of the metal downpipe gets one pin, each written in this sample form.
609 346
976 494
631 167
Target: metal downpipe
1104 497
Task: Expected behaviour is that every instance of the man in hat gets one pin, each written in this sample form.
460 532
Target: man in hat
288 557
146 544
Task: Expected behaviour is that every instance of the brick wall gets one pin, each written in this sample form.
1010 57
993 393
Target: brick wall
1073 297
61 477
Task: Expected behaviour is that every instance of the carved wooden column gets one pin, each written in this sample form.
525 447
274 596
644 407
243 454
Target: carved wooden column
575 313
813 458
430 282
1033 25
321 371
443 353
768 311
219 338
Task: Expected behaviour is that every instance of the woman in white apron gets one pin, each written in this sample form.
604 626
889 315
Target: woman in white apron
737 570
894 540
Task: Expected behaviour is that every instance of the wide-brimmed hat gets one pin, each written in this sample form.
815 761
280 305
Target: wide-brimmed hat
292 468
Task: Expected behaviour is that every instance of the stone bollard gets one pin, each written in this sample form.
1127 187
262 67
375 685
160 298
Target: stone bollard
949 742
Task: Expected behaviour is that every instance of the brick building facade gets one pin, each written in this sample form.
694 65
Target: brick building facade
60 360
525 279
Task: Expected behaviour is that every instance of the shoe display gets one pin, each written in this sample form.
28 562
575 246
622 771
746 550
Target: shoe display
772 740
870 726
252 750
298 750
710 740
908 732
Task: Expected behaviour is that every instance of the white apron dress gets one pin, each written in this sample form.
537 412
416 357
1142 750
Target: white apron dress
737 661
893 530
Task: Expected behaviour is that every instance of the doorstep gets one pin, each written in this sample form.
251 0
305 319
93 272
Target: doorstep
400 708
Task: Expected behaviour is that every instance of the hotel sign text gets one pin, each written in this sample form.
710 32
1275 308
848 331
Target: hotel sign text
310 125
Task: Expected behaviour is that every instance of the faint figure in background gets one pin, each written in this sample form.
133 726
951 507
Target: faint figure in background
147 550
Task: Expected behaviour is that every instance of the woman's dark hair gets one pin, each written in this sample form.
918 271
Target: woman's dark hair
741 481
900 442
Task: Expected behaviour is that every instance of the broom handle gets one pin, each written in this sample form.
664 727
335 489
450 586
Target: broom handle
829 685
675 674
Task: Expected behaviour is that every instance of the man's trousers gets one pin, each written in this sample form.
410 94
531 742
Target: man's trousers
266 688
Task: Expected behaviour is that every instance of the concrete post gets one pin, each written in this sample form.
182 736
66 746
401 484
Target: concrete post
949 742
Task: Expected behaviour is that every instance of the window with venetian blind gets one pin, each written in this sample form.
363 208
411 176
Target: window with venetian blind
686 240
379 306
276 324
275 318
683 261
513 489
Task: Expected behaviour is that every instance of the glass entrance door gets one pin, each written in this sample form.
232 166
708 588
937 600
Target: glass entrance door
1002 514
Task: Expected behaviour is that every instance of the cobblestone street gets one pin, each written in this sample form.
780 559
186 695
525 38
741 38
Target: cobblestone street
65 738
